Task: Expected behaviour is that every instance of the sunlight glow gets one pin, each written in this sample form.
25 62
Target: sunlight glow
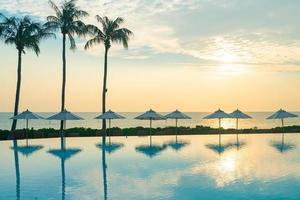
228 163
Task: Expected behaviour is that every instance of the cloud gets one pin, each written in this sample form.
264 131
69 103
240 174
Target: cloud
213 32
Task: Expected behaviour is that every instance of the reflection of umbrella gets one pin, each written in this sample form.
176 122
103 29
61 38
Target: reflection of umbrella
282 147
64 116
218 148
282 114
150 115
28 150
110 115
219 114
27 115
237 114
177 115
63 154
150 151
177 145
239 145
110 148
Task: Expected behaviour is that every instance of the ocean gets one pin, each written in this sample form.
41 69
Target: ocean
258 120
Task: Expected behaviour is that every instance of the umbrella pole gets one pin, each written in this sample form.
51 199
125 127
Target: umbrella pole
237 133
150 132
219 131
282 125
176 121
282 136
27 132
64 139
109 125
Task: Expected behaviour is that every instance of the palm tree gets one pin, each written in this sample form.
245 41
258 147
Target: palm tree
23 33
110 33
67 21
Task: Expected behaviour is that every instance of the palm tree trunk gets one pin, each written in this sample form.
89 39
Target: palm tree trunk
104 90
63 91
14 124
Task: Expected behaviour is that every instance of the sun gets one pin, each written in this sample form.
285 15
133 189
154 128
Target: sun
228 57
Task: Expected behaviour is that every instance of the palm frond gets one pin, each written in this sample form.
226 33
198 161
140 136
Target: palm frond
52 19
90 43
55 8
72 41
121 36
79 28
23 33
103 22
35 48
117 22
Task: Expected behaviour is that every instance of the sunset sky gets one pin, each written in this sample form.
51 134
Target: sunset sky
194 55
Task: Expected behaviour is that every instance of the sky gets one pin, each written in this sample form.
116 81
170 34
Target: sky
192 55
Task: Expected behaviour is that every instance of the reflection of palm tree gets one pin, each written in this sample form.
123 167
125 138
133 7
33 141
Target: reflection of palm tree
27 151
63 178
63 154
17 168
104 166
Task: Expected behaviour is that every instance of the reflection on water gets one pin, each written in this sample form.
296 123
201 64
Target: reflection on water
150 150
110 147
63 154
194 167
17 169
104 167
27 150
282 146
177 145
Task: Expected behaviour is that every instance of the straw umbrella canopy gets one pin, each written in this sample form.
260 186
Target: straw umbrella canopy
150 115
282 114
64 116
237 114
177 115
109 115
219 114
27 115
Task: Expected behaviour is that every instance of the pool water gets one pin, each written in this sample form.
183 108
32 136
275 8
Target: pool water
255 167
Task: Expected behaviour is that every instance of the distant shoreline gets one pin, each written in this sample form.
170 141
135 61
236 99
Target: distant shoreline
140 131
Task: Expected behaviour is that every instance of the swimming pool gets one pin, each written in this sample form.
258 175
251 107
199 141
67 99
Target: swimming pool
194 167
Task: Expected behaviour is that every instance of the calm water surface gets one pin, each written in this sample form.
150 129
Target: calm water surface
196 167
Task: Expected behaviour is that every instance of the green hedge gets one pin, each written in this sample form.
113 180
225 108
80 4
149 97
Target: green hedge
137 131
